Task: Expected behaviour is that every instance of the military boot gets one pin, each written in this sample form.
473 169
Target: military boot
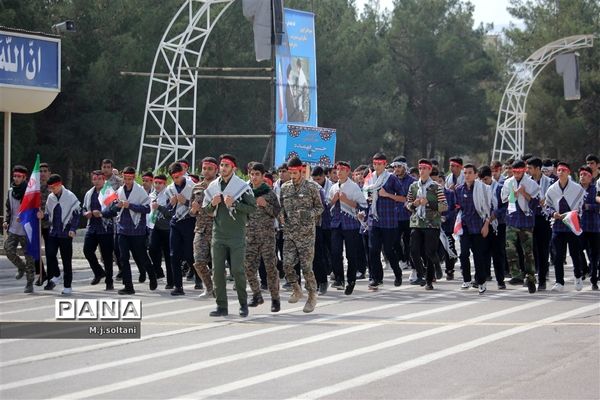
29 286
257 299
296 293
311 302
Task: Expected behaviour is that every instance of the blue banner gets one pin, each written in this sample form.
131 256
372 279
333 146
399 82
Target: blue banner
313 145
296 76
30 61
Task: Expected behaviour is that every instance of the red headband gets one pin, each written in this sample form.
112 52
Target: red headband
563 168
584 172
228 161
159 180
456 164
129 174
379 162
210 163
299 169
519 170
17 173
176 175
59 183
423 165
147 178
269 181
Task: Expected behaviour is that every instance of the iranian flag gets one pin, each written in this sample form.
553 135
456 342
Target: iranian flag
458 228
571 219
31 203
107 195
512 200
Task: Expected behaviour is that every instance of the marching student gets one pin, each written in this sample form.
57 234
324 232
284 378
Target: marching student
130 209
115 181
322 265
448 220
542 231
590 223
456 176
426 202
230 200
16 233
521 193
403 239
63 211
593 162
260 239
474 202
345 198
100 232
181 234
159 223
563 196
384 191
148 181
301 207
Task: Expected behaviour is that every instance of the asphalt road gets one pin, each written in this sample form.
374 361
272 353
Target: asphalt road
397 343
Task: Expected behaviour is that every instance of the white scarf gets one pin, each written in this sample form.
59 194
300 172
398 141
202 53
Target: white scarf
137 196
482 199
531 187
574 195
422 194
378 183
235 188
545 184
181 210
459 180
162 200
87 204
68 205
352 192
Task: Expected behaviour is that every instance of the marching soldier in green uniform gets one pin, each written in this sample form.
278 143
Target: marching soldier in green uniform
301 206
260 239
204 226
230 200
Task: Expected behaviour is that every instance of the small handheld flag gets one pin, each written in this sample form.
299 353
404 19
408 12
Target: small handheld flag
571 219
30 205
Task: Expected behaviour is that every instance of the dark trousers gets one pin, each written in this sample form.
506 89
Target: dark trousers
403 250
382 238
497 246
443 254
65 246
327 249
38 263
590 242
560 240
159 249
351 239
320 264
136 246
542 235
106 243
476 243
182 247
363 253
424 247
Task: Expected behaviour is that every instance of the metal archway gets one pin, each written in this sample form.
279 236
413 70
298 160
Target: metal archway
172 90
509 140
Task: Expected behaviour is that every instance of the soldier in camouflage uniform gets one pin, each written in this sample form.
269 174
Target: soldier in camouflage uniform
301 206
204 225
16 232
260 239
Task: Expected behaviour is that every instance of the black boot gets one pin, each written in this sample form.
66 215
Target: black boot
257 299
244 310
275 305
219 312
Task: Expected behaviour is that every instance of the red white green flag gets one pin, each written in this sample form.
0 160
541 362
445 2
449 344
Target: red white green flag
571 219
458 228
107 195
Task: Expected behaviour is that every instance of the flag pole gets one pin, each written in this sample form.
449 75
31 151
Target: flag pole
41 274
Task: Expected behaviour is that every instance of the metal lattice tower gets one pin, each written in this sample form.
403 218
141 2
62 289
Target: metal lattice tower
169 126
510 129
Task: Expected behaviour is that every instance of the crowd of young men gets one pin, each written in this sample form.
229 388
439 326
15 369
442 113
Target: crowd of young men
516 216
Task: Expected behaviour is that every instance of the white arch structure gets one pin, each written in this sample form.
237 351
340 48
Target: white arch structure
169 126
510 129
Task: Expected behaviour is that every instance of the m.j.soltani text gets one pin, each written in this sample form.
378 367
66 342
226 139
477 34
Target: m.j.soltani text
113 330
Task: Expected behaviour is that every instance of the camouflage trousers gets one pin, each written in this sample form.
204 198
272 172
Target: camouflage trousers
524 237
300 251
202 258
10 246
257 249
